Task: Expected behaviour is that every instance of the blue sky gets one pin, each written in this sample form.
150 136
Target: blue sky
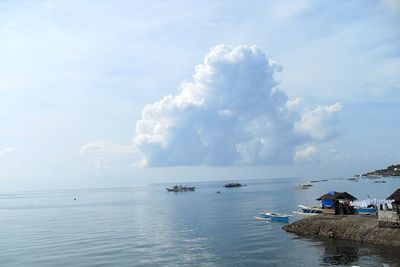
107 93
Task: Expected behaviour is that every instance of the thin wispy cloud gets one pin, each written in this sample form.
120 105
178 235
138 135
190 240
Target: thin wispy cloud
102 152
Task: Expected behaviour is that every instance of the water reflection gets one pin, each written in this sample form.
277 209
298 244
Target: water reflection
151 227
339 254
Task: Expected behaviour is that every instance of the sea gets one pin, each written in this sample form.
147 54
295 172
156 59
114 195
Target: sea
148 226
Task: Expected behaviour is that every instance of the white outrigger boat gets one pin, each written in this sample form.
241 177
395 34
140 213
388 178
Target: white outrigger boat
305 210
273 216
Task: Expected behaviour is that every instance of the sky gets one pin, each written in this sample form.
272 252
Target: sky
126 93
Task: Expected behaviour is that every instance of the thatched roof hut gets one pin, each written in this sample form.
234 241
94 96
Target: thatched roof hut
328 200
333 195
395 196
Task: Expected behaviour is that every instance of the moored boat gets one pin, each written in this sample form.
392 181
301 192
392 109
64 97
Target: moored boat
273 216
309 210
231 185
180 188
366 211
304 186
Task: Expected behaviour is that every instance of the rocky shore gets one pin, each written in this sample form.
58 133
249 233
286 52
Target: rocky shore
393 170
347 227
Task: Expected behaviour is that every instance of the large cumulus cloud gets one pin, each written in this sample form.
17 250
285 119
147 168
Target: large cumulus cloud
232 112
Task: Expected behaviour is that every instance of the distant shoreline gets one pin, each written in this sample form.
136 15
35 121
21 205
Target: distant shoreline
392 170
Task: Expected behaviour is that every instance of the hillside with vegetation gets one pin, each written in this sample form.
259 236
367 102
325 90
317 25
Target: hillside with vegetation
393 170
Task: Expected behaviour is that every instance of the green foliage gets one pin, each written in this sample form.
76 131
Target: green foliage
392 170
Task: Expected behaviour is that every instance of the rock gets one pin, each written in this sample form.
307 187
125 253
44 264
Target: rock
359 228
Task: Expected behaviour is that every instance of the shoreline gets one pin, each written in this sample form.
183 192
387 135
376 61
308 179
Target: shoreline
359 228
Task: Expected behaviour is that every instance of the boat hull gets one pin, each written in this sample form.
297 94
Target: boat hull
312 211
367 211
276 217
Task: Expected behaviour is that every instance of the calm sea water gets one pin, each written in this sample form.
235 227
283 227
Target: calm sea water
150 227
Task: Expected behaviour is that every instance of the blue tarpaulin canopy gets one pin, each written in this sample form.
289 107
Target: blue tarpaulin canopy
327 203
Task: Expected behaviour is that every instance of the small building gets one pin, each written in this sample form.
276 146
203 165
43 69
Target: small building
339 201
328 200
389 215
395 197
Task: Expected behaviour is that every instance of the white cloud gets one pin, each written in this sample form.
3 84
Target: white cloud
294 104
320 123
7 151
232 113
309 153
105 148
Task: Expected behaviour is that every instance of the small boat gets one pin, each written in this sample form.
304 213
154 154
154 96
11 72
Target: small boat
366 211
273 216
353 178
304 186
180 188
231 185
305 210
